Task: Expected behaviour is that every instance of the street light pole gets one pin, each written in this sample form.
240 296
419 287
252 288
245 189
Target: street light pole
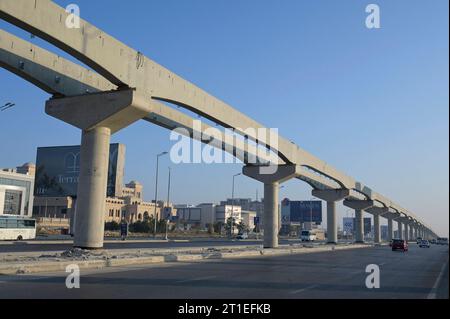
156 190
232 205
280 220
168 200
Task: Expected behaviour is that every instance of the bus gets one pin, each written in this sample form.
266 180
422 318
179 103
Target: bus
17 228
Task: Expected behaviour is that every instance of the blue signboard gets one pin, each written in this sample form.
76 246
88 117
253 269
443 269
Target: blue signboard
303 211
123 229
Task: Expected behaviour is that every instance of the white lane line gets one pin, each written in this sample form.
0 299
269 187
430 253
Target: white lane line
432 294
195 279
304 289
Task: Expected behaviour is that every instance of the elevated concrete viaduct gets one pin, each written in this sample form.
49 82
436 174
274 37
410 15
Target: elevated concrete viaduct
133 87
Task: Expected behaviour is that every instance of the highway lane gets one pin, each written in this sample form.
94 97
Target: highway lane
338 274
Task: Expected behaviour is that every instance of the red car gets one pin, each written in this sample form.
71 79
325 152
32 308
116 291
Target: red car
399 244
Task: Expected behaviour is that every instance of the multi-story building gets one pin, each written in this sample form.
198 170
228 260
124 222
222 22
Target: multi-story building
248 219
16 192
224 212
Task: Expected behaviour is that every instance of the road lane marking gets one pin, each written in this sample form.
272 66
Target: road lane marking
432 294
304 289
195 279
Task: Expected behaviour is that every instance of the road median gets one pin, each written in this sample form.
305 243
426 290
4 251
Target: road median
42 262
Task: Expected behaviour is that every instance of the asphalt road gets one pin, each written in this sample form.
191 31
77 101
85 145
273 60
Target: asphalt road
419 273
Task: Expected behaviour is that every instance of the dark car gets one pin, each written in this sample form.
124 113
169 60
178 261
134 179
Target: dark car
399 244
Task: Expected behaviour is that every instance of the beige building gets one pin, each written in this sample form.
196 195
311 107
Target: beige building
130 206
248 219
53 207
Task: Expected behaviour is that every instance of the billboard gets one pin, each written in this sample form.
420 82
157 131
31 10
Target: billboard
58 169
301 211
348 223
367 225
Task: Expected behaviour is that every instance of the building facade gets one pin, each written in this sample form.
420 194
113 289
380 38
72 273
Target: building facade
16 193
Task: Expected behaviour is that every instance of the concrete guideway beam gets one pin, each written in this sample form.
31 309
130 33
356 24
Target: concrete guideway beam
331 197
271 198
63 78
117 63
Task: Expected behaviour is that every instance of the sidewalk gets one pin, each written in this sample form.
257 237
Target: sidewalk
36 262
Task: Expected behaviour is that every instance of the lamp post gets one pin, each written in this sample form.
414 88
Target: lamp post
310 213
280 220
232 205
156 189
168 200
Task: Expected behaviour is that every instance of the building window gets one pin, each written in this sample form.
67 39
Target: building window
13 202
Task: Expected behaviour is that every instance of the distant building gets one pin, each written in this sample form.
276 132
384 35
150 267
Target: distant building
27 169
130 206
384 232
224 212
248 219
300 215
16 193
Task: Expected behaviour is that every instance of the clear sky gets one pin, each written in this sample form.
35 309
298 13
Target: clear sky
373 103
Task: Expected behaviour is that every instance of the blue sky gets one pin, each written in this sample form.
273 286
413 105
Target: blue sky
373 103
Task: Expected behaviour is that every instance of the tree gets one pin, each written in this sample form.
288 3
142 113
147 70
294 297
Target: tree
112 226
230 225
218 227
242 228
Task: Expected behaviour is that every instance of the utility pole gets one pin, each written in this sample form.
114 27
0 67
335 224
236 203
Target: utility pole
156 190
232 205
168 208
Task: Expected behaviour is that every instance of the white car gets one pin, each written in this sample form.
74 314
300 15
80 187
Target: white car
242 236
307 235
424 244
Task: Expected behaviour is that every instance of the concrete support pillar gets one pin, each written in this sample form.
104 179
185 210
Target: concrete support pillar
271 177
359 226
332 236
411 232
94 159
271 215
331 197
400 230
390 229
377 230
406 232
415 232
